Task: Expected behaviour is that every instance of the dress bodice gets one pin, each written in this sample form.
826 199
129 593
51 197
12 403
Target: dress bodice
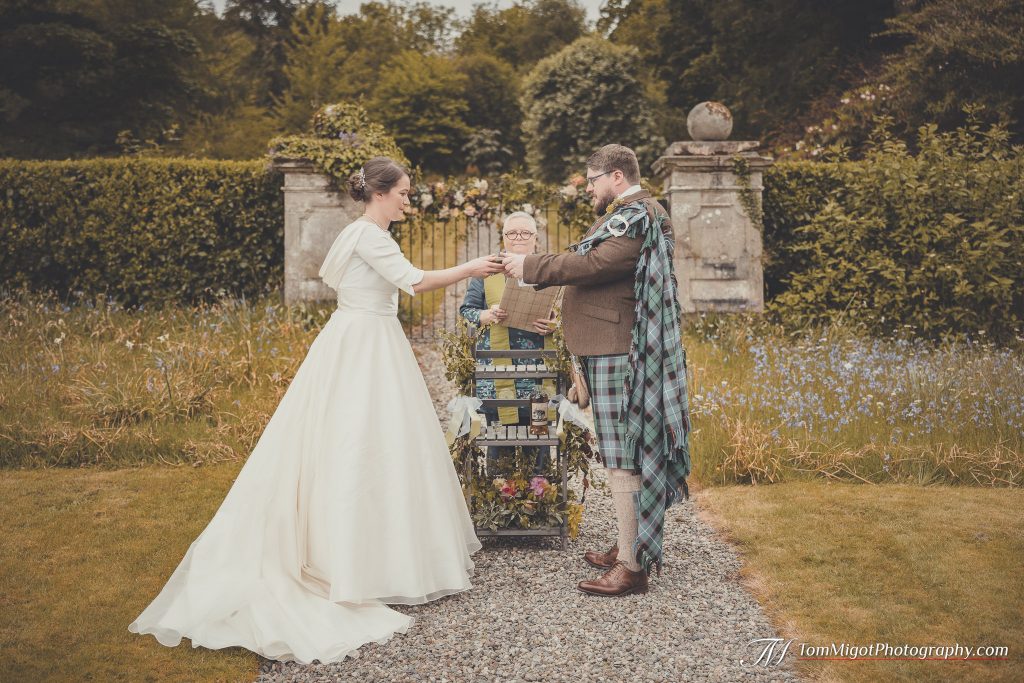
372 301
366 267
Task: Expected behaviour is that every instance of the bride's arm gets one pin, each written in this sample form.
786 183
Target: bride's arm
382 253
436 279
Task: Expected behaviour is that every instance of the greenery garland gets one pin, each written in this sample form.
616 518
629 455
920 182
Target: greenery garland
343 138
488 201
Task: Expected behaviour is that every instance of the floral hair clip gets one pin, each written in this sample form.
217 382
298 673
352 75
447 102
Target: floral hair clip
362 179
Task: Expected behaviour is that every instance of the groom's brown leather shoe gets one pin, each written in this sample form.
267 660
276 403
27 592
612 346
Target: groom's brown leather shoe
616 581
602 560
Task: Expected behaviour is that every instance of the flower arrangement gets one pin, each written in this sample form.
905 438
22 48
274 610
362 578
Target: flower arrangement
506 494
450 199
521 503
487 201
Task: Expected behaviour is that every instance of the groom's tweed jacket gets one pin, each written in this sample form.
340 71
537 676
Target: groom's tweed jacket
599 307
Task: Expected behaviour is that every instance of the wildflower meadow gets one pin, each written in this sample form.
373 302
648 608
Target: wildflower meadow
87 382
770 405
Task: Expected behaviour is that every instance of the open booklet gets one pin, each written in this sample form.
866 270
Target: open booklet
524 304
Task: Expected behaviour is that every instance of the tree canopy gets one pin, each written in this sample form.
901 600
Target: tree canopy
73 79
419 99
524 33
581 98
172 77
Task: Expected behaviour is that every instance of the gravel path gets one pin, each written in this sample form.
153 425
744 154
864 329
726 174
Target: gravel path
524 620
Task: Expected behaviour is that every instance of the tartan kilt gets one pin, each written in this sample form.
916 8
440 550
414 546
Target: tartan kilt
605 377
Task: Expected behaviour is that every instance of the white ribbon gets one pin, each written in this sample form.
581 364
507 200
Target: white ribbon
570 412
464 418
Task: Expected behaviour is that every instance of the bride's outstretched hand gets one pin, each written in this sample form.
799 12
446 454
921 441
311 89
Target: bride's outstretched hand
484 266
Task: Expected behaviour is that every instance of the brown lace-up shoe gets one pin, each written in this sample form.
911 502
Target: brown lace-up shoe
602 560
616 581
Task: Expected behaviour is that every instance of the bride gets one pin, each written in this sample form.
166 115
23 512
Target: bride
349 500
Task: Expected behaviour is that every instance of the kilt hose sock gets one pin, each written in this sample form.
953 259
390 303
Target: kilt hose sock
624 485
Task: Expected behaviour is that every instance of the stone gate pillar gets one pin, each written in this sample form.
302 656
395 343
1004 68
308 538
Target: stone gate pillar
313 217
718 245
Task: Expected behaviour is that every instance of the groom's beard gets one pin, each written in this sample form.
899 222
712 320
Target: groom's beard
601 203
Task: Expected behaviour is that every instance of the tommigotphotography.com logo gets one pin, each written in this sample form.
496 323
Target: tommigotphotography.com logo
770 652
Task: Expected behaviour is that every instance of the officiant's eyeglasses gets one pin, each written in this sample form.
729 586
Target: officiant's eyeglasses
592 178
519 234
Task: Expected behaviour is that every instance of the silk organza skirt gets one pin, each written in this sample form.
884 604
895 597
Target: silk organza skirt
349 501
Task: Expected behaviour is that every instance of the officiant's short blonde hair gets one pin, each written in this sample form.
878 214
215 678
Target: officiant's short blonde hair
519 214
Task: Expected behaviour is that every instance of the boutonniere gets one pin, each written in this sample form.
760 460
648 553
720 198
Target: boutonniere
614 206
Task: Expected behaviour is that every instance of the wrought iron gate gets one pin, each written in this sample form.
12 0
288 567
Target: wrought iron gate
443 244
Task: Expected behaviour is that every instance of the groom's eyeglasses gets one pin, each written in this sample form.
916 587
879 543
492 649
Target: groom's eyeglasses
520 235
591 179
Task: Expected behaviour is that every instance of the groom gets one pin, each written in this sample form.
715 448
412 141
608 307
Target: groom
620 315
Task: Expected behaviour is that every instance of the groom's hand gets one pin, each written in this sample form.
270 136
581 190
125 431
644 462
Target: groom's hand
514 265
544 326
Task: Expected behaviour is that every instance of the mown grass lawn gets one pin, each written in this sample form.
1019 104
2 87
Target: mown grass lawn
81 555
836 562
85 550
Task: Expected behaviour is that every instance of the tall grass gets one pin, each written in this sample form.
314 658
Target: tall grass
767 406
88 383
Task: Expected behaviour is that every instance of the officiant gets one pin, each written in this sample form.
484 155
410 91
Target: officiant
481 306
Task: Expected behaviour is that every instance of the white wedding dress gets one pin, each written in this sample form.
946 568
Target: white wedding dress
349 500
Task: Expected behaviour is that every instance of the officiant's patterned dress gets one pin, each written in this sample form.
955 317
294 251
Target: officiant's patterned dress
474 302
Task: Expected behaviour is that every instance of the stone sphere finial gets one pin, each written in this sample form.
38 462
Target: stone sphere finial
709 121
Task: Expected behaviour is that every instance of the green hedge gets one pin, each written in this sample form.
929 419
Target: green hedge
794 192
141 230
933 240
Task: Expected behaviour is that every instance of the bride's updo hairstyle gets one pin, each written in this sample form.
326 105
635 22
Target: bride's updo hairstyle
379 174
